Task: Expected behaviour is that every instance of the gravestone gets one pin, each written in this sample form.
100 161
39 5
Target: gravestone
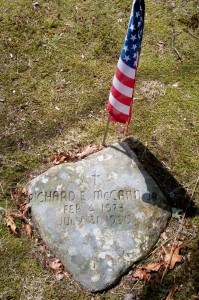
99 215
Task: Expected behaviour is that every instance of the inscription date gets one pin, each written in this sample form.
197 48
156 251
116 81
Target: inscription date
110 219
106 207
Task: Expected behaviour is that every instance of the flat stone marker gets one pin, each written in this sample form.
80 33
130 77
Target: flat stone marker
99 215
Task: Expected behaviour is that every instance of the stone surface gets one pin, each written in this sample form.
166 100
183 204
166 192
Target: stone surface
98 215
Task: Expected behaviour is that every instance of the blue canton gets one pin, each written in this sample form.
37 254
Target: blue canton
132 45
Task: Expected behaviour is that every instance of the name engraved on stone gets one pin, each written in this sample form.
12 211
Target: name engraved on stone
117 195
48 196
97 195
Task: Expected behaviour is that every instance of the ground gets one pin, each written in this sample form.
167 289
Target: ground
58 60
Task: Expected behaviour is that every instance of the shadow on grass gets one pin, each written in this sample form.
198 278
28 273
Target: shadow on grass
177 197
175 193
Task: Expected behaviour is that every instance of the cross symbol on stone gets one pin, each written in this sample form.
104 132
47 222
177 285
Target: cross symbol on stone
95 177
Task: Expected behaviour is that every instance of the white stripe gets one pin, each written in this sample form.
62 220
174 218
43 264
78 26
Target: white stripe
126 70
118 105
123 89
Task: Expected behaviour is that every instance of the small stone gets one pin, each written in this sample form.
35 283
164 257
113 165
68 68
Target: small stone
129 297
35 4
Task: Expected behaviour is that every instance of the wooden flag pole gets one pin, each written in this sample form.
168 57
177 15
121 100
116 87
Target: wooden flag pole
106 131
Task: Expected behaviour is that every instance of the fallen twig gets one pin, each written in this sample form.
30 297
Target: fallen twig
3 209
192 35
173 47
194 189
165 242
173 245
1 187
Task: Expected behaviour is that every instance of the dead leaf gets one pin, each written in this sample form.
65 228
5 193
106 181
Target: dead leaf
58 269
152 267
25 209
141 274
29 230
66 274
170 259
175 258
56 265
88 149
18 216
161 46
25 191
11 223
20 197
61 157
24 212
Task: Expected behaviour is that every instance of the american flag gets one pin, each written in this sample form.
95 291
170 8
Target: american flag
121 93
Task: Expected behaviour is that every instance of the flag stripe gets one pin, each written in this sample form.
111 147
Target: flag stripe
116 116
120 97
122 108
123 89
126 70
124 79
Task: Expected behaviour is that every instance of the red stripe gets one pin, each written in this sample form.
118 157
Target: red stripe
117 116
124 79
120 97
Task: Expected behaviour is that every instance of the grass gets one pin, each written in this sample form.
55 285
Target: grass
58 61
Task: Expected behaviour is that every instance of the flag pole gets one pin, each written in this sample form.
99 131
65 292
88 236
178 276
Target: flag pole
106 130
